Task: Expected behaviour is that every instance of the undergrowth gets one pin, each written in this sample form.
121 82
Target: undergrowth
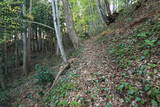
4 98
43 74
137 54
141 46
61 91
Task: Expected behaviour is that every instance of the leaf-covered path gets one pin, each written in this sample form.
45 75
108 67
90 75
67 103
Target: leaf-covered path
95 85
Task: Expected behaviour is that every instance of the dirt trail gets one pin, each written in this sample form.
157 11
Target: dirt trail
95 83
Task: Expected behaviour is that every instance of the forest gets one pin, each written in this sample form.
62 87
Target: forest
79 53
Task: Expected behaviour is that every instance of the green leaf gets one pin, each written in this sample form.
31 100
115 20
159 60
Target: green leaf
154 103
142 57
153 65
108 105
136 105
138 99
21 105
131 91
150 42
142 35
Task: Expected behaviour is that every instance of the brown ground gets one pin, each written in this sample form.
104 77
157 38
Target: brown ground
98 76
95 72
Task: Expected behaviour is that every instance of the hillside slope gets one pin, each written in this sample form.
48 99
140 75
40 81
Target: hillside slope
118 68
121 66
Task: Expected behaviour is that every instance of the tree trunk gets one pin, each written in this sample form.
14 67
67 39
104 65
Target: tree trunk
56 20
92 12
70 25
117 5
102 13
108 7
99 10
29 47
114 6
39 39
5 56
25 62
2 84
57 49
43 43
36 40
16 53
29 36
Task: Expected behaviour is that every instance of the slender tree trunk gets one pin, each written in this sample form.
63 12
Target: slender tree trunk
25 62
2 84
92 12
117 4
39 39
99 10
16 54
36 40
108 7
56 20
43 43
70 25
114 5
5 56
57 49
2 80
29 36
102 13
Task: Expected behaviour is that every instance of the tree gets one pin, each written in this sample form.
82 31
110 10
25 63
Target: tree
107 18
56 20
108 7
69 24
2 84
25 50
102 12
29 35
8 28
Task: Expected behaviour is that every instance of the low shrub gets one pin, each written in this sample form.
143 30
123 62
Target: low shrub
4 98
43 74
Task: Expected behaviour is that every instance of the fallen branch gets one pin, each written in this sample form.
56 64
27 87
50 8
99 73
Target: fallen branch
62 69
